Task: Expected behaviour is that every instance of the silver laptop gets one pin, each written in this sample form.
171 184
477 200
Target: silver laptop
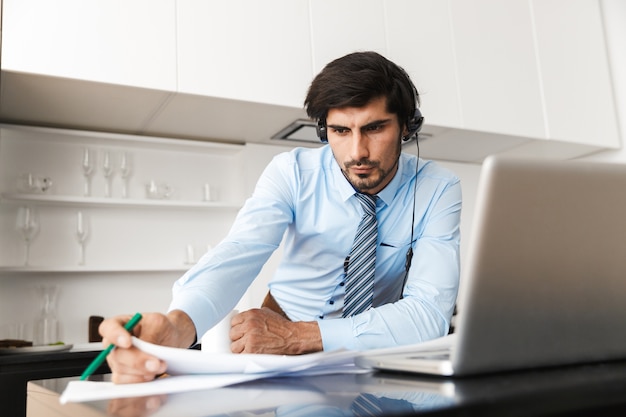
544 283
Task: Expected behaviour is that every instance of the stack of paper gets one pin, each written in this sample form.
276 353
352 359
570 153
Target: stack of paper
194 370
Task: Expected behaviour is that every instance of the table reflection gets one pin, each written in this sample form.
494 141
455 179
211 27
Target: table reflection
324 395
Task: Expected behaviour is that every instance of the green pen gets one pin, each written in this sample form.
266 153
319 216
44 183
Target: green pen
103 355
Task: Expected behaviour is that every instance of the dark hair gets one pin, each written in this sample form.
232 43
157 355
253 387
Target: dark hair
356 79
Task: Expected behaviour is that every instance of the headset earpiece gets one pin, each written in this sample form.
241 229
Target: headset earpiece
322 131
414 124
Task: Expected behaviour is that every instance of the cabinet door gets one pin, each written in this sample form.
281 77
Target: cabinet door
575 72
341 27
498 76
111 41
420 40
245 49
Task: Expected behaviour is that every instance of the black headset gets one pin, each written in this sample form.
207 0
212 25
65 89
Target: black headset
414 124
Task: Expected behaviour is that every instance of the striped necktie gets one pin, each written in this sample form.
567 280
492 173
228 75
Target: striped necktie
366 405
362 261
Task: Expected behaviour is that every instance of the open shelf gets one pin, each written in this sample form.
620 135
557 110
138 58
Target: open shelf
126 235
4 270
113 202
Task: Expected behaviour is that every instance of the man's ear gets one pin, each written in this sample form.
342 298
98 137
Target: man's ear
405 133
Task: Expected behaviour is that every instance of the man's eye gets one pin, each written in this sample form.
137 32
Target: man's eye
374 128
340 130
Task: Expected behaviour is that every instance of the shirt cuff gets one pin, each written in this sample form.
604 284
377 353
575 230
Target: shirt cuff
336 334
201 320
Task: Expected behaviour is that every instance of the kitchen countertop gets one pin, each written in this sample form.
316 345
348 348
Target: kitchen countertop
17 369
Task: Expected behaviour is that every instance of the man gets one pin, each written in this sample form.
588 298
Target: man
365 106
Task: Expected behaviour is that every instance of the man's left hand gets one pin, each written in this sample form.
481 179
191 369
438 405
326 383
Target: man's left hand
262 330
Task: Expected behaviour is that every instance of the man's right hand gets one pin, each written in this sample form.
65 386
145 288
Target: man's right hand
128 364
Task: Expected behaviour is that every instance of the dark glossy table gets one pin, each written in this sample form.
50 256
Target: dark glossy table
17 369
586 390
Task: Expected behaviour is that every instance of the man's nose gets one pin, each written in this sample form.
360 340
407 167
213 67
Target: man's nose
359 148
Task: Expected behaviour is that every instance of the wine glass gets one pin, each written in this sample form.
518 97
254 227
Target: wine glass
82 233
89 168
126 170
108 170
28 224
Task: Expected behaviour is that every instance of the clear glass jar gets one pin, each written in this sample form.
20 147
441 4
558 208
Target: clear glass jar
46 325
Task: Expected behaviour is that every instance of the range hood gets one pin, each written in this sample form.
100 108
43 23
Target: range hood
300 130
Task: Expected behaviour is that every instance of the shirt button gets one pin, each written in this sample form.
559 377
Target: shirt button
331 302
321 317
342 284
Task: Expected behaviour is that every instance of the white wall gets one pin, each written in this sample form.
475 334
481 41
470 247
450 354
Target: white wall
82 295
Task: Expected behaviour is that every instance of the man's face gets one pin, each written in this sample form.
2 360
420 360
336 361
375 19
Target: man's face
366 144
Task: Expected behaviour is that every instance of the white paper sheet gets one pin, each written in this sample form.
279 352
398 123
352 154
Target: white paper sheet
187 361
78 391
193 370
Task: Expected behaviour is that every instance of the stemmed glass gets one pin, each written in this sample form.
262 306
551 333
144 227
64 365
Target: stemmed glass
82 233
89 168
126 170
107 170
28 225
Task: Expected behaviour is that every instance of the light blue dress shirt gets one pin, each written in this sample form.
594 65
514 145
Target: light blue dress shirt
303 200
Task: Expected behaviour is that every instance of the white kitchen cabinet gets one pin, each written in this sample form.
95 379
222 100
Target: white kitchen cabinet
97 65
522 77
342 27
245 50
536 73
413 33
118 42
140 232
419 38
575 76
499 82
536 69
